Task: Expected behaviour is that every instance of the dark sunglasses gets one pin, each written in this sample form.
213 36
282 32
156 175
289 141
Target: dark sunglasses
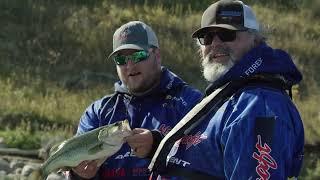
224 36
134 57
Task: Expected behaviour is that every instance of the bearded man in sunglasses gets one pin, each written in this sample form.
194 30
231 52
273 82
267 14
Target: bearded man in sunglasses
148 95
246 127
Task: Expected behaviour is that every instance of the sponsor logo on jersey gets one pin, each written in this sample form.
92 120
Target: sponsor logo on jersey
125 155
178 161
125 172
177 99
114 172
193 140
265 160
164 129
256 64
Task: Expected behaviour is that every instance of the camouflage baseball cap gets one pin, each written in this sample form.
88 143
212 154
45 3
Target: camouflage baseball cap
227 14
134 35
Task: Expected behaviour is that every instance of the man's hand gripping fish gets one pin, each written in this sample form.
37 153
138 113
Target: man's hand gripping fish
99 143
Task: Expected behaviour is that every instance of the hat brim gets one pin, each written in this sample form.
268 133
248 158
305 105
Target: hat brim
129 46
215 26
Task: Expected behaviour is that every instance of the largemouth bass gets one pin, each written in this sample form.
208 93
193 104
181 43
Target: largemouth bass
96 144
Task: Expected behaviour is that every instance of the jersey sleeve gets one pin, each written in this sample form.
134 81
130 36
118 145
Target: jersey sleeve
90 118
262 137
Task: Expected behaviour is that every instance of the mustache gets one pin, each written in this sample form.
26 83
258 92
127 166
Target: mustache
215 51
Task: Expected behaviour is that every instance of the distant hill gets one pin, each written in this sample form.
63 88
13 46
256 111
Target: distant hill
57 40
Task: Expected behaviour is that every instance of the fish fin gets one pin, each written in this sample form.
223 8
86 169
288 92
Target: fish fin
95 149
56 147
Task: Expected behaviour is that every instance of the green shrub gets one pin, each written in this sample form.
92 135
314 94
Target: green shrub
21 138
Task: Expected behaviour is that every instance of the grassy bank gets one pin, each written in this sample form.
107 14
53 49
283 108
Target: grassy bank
52 58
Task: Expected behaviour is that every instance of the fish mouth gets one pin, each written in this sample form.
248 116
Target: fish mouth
109 144
125 126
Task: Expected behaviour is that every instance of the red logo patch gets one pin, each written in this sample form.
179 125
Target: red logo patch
164 129
194 140
265 160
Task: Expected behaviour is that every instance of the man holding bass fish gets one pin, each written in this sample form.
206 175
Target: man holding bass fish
149 95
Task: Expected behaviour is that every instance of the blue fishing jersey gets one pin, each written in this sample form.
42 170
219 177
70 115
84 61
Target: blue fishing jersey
159 109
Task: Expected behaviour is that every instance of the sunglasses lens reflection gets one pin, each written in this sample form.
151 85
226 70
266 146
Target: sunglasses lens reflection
134 57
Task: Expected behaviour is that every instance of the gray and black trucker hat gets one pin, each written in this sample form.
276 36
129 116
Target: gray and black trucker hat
228 14
134 35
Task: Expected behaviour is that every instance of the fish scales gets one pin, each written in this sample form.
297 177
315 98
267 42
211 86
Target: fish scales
88 146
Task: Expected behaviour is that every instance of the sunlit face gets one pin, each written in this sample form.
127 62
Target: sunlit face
218 57
142 76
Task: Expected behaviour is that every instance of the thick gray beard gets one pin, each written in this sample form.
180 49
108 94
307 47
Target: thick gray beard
213 71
